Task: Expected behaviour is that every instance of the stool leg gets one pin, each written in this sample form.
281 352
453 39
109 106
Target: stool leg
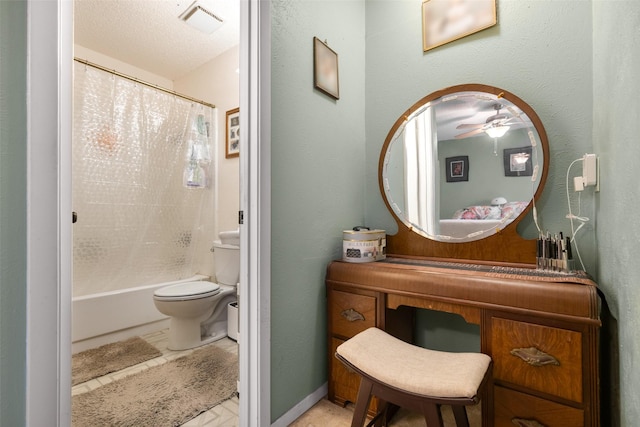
362 403
460 414
432 414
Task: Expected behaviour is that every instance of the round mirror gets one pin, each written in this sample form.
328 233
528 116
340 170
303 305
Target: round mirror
464 163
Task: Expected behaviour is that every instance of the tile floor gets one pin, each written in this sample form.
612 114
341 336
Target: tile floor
223 415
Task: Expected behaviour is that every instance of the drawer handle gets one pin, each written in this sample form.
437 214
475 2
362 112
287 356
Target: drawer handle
351 315
535 357
521 422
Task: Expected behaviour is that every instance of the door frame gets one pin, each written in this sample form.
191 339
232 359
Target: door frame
49 244
255 204
48 310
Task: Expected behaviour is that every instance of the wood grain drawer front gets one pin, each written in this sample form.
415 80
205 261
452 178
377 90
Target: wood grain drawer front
514 408
346 383
538 357
351 313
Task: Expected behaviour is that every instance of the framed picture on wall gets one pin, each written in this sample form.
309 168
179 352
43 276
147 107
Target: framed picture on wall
444 21
233 134
517 161
325 69
457 168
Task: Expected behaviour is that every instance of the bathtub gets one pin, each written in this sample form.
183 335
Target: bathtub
106 317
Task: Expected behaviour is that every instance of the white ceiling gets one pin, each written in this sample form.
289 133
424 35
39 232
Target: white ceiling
149 35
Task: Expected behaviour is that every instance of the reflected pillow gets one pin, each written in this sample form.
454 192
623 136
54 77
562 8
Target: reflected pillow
478 212
508 210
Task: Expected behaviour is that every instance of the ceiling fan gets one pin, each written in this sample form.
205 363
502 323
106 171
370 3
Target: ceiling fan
495 126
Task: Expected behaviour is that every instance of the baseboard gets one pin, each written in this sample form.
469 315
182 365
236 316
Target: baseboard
94 342
303 406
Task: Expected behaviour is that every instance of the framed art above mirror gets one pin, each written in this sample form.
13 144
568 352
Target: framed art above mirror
459 170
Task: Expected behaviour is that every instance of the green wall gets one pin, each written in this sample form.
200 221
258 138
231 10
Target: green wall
573 61
318 151
13 151
540 51
616 133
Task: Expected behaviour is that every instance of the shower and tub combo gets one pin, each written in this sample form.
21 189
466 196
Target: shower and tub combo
146 219
200 309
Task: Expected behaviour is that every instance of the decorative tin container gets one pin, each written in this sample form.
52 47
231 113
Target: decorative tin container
363 245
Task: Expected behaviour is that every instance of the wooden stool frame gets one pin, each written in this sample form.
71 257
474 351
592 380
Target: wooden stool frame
390 396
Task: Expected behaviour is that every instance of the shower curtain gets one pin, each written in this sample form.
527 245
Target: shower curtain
143 183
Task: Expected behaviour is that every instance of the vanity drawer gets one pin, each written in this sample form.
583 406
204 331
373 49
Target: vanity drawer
560 375
345 383
515 408
351 313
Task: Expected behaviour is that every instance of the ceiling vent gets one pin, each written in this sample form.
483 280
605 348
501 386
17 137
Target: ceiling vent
201 19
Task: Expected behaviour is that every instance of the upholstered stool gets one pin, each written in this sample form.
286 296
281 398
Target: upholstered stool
413 377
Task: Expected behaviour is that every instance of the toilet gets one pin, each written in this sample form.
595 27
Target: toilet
198 310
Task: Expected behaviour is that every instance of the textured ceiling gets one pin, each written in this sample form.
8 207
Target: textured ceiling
149 35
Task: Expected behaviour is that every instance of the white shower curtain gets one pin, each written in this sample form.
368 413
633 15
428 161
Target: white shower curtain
134 152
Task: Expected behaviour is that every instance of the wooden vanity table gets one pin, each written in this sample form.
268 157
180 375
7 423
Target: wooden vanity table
540 328
551 320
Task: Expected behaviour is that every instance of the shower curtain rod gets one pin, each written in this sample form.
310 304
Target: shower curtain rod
154 86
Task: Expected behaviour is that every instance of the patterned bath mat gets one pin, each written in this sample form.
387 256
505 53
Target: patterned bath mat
167 395
108 358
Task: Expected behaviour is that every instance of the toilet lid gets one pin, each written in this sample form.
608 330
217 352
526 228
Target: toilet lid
189 290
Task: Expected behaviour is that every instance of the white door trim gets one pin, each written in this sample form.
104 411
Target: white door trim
49 106
255 202
49 247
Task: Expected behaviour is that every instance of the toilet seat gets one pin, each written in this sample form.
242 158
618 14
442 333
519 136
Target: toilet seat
187 291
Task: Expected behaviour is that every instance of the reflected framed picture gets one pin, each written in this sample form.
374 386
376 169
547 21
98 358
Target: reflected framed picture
325 69
232 147
444 21
457 168
517 161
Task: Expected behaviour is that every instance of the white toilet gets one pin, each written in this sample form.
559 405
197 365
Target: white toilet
198 310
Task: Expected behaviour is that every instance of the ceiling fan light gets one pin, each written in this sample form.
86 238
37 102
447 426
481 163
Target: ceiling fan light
497 131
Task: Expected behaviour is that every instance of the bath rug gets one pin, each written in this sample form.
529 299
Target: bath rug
108 358
165 395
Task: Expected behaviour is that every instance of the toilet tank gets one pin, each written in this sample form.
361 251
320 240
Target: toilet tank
227 260
230 237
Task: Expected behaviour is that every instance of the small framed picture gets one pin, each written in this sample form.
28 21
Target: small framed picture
517 161
233 133
325 69
457 168
444 21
